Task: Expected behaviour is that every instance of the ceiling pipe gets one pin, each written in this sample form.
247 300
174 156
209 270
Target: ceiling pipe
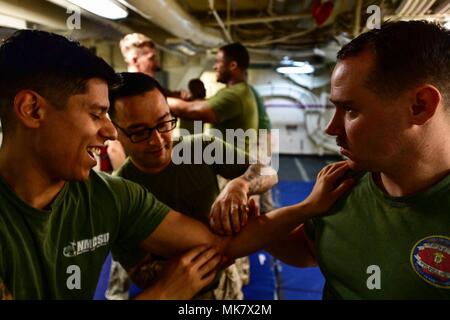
169 15
427 7
357 26
443 8
412 8
219 21
240 21
403 7
420 7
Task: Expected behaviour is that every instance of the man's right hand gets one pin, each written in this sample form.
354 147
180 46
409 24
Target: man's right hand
331 184
183 277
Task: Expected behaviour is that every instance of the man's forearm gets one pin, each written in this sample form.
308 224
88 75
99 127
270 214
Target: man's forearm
262 230
192 110
258 178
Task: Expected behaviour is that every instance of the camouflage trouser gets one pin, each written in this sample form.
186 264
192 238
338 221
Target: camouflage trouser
118 283
229 286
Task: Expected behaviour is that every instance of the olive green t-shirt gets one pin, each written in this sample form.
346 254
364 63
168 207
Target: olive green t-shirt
263 117
189 187
58 253
374 246
235 107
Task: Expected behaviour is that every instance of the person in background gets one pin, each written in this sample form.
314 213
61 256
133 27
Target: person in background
189 187
197 91
390 238
233 107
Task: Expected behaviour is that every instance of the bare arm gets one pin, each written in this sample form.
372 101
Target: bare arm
192 110
4 292
229 211
178 233
296 249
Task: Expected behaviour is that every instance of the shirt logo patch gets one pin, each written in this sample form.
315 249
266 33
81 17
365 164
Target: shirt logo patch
76 248
430 259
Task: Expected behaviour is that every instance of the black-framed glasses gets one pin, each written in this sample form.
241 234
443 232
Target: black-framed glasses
146 133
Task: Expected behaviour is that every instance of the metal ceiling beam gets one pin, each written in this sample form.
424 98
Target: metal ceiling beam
443 8
170 16
240 21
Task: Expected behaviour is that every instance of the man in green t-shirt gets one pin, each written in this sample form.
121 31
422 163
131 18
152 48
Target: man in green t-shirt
233 107
390 238
59 219
183 175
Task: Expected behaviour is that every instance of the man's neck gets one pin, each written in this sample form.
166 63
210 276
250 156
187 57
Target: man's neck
27 181
236 79
149 170
412 177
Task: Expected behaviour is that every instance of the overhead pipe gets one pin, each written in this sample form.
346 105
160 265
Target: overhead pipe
240 21
219 21
443 8
412 8
427 7
169 15
403 7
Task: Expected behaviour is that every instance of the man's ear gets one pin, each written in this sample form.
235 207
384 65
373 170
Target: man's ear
29 108
232 65
427 100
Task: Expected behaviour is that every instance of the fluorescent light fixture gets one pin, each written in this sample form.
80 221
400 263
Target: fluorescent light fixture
286 61
185 50
103 8
305 68
12 22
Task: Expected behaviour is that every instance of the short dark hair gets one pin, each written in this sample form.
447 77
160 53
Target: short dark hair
197 88
236 52
407 53
132 84
50 64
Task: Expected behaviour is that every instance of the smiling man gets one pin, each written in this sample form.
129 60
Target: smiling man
140 112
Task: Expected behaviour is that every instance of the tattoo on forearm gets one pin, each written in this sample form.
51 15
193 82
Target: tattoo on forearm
257 182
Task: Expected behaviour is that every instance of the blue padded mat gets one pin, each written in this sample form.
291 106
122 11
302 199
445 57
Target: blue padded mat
292 283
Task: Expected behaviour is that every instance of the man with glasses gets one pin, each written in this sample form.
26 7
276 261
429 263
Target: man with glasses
140 112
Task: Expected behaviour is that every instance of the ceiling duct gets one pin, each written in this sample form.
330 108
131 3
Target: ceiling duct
34 12
169 15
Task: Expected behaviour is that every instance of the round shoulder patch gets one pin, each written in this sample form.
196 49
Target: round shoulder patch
430 259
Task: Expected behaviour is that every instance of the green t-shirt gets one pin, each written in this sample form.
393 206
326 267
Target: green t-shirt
235 107
189 188
59 253
263 117
401 245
